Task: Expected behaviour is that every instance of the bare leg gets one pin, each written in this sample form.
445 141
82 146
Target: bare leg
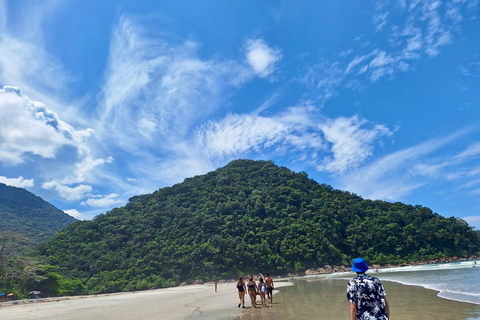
252 298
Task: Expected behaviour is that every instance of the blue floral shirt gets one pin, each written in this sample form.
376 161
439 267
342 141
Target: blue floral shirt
368 294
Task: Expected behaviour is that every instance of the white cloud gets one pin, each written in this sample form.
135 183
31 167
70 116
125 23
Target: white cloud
73 212
29 128
332 145
355 62
66 192
261 58
351 143
473 221
104 201
239 134
86 166
19 182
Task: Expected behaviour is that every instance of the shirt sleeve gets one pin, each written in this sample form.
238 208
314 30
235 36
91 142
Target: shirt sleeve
380 288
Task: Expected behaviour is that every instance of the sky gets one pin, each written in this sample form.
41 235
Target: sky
104 100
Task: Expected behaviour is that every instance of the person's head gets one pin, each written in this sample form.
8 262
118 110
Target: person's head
261 279
240 278
268 274
251 278
359 265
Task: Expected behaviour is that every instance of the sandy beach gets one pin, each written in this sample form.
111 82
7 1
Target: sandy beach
188 302
307 299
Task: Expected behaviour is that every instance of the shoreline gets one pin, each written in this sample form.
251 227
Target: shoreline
185 302
201 302
328 269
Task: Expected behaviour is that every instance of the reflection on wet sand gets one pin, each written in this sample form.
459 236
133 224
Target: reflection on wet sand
326 299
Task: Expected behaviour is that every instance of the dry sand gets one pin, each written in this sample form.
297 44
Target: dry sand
188 302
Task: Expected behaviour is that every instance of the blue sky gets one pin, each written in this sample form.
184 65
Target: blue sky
103 100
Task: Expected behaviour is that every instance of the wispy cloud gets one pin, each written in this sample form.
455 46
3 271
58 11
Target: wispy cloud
397 174
427 26
157 88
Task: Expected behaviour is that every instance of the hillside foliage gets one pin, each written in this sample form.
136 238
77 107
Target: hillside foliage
28 220
247 217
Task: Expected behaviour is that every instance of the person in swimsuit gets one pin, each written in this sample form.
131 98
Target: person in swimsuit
262 290
241 291
252 291
270 287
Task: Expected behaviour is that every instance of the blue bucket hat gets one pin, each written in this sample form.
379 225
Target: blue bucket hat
359 265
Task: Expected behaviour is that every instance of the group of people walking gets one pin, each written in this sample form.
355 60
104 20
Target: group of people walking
264 288
366 293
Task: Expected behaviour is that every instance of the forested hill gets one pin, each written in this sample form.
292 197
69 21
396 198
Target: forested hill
247 217
27 220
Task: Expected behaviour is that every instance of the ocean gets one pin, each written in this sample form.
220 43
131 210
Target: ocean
459 281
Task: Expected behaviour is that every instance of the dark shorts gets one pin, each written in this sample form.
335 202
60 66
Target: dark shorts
240 289
270 290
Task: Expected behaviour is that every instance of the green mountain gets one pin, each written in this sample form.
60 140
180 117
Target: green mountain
247 217
28 220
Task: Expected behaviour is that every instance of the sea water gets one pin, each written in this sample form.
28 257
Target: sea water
459 281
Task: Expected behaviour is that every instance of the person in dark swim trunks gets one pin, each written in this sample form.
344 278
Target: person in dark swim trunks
270 287
241 291
252 291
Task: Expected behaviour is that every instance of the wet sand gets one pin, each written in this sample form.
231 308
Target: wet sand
326 299
308 299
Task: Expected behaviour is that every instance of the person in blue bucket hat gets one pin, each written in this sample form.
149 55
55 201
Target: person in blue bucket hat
366 295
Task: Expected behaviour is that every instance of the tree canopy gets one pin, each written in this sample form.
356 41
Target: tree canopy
247 217
28 220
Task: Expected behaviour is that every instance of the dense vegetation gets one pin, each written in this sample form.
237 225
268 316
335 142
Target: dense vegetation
28 220
246 217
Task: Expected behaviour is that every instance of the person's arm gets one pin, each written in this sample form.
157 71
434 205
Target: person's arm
353 311
387 307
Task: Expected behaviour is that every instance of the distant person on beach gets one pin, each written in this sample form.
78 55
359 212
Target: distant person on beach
252 291
366 295
241 291
270 287
262 290
216 283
